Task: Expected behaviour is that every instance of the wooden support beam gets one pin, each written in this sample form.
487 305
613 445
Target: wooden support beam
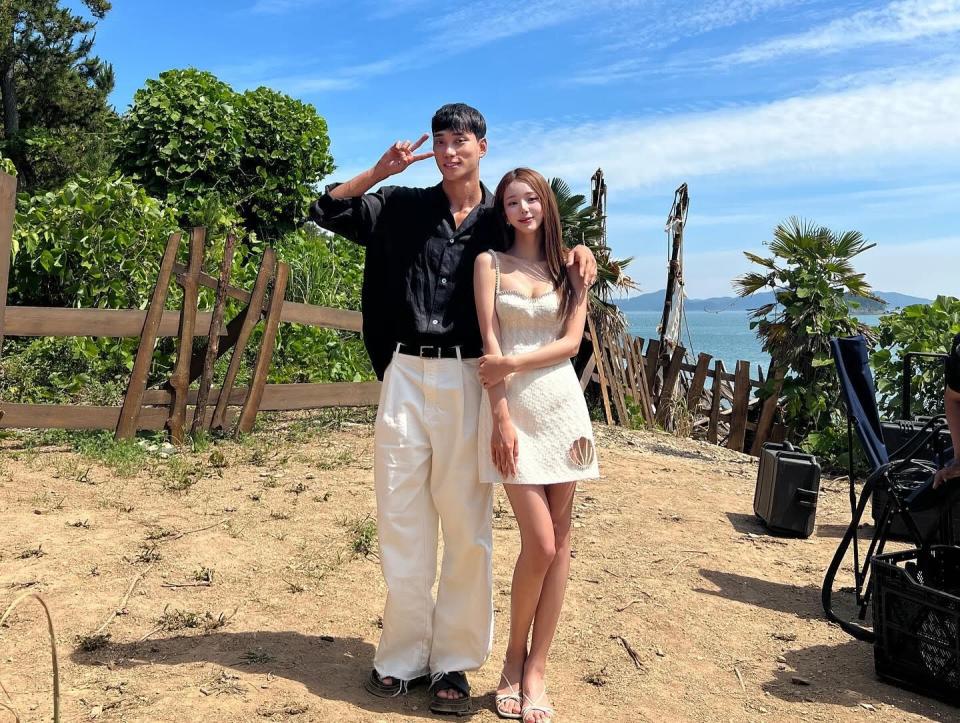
614 375
741 400
587 374
767 412
601 371
262 366
653 362
180 377
695 392
247 321
127 421
643 386
8 212
670 376
213 339
36 321
715 397
285 397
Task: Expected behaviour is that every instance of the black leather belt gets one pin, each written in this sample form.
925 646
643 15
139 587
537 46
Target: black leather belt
437 352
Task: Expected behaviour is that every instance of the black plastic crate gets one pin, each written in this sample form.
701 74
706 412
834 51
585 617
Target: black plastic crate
916 618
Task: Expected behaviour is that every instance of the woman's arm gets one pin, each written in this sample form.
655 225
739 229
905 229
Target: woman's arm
495 367
503 444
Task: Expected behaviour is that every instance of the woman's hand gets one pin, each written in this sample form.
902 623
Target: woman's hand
504 446
493 369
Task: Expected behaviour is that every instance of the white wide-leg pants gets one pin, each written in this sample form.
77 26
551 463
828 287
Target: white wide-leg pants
426 472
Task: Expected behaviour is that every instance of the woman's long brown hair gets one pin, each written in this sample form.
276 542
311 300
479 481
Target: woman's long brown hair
551 235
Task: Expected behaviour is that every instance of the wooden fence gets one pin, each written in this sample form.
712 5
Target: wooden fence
175 406
668 389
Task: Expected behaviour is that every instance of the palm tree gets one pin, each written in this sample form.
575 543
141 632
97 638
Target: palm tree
581 224
811 275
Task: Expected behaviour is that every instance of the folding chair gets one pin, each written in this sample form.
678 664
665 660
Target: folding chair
907 481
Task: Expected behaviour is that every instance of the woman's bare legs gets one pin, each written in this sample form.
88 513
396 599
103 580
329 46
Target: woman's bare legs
539 582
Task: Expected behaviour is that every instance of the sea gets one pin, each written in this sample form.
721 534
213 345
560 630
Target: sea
724 335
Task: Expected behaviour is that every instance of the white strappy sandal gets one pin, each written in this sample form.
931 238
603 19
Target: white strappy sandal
502 698
533 706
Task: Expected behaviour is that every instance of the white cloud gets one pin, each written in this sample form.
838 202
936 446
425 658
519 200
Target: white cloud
841 134
898 22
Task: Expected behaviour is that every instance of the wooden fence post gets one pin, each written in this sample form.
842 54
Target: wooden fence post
262 367
180 377
767 412
697 383
713 434
644 386
127 421
251 316
601 372
8 212
670 376
741 401
213 339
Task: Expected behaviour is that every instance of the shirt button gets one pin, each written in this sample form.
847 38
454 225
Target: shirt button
434 322
443 281
451 242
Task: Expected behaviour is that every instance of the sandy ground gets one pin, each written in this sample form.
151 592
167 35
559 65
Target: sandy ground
668 558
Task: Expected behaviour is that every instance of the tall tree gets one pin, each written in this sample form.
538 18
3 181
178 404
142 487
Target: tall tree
54 91
811 275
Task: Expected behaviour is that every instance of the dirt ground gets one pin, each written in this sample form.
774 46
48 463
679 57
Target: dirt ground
257 590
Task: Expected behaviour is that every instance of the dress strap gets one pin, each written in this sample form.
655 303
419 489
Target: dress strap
496 266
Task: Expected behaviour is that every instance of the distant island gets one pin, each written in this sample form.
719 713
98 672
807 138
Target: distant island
654 302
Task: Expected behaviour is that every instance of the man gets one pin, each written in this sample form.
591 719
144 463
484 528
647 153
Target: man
951 403
420 329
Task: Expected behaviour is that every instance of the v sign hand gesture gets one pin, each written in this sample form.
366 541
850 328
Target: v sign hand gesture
401 155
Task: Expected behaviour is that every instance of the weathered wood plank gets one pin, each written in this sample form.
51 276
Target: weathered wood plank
695 392
601 371
247 321
49 321
767 412
715 397
65 416
652 361
127 422
741 399
8 212
262 366
630 367
213 339
587 374
285 397
179 382
614 379
643 386
670 376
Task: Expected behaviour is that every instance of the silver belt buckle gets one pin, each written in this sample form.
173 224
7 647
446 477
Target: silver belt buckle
429 346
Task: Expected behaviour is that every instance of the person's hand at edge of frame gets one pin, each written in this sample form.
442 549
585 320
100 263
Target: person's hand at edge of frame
949 472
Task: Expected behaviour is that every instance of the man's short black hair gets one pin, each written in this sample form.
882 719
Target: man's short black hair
459 118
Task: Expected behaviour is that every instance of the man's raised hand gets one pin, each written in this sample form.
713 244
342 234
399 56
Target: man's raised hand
400 155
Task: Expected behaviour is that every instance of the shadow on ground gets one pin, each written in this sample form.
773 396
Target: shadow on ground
331 669
819 664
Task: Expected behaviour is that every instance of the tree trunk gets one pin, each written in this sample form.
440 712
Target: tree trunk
11 116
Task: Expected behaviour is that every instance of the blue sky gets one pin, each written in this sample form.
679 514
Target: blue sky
842 112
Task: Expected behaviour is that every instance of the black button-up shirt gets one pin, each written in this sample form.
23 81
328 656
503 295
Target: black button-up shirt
418 276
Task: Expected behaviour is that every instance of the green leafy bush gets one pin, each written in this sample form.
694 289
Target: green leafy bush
189 135
918 328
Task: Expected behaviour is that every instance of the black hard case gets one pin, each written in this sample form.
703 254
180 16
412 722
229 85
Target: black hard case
788 484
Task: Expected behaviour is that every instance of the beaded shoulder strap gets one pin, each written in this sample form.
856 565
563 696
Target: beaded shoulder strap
496 266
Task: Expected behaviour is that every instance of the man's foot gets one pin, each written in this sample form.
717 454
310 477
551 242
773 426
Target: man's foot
508 698
536 704
388 687
450 693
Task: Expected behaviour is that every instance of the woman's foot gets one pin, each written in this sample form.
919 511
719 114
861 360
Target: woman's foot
509 701
536 704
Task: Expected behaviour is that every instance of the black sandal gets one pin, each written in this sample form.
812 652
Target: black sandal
375 685
452 706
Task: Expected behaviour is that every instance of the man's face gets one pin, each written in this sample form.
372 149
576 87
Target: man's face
458 154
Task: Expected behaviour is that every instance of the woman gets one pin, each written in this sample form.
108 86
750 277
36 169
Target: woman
532 313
